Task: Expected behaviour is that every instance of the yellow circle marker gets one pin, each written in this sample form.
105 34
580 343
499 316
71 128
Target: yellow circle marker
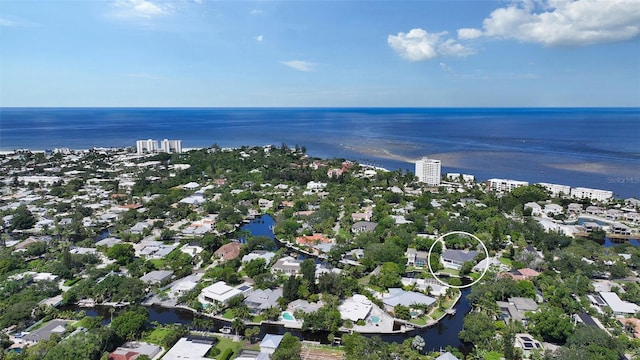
441 239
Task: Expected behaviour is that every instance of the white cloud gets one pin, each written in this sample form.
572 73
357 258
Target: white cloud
419 45
139 9
445 67
563 22
299 65
259 38
469 34
255 12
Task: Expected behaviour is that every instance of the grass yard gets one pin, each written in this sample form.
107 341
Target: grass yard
158 263
419 321
450 271
505 261
156 335
224 344
228 314
436 313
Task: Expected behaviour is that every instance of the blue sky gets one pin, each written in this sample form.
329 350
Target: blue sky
320 53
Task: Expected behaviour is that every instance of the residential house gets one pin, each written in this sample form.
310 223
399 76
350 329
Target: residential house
259 254
553 209
516 308
56 326
190 348
574 208
132 350
270 343
287 265
536 209
355 308
228 251
416 257
447 356
453 259
363 226
397 296
139 227
528 344
260 300
617 305
157 277
220 293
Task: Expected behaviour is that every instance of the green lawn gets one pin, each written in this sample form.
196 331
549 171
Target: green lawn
228 314
437 313
258 318
158 263
156 335
505 261
450 271
224 344
419 321
493 356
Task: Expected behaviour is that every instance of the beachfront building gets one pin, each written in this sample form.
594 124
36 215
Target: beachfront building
146 146
150 146
593 194
171 146
556 189
428 171
504 185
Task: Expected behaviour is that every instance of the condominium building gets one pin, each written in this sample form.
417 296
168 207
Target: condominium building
504 185
147 146
151 146
171 146
428 171
593 194
556 189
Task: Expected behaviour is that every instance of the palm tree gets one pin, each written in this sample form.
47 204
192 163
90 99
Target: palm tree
237 325
242 311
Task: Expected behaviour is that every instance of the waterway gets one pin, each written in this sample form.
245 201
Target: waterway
439 336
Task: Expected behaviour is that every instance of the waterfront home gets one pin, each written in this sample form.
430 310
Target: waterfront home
397 296
270 343
447 356
520 274
431 286
287 266
220 293
355 308
515 309
594 210
259 254
139 227
190 348
574 208
589 226
156 277
228 251
453 259
553 209
56 326
353 257
620 229
260 300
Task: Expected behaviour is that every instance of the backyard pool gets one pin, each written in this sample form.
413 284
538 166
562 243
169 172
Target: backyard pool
374 319
288 316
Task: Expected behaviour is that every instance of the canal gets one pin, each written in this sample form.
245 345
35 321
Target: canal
439 336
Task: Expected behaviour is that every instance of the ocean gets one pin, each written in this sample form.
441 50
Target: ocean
590 147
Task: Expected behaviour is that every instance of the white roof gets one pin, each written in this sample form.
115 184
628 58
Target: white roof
220 291
187 350
617 305
356 308
271 341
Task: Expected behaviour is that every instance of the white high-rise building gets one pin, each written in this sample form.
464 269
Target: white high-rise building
171 146
428 171
504 185
593 194
146 146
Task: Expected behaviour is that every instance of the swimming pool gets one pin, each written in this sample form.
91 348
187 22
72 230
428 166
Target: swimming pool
374 319
288 316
